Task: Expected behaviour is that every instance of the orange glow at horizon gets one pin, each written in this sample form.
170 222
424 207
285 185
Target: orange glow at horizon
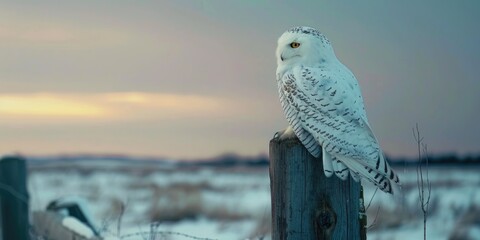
48 105
116 105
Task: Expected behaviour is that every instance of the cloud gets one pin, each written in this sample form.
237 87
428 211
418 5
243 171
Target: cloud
187 104
160 106
48 105
123 106
33 33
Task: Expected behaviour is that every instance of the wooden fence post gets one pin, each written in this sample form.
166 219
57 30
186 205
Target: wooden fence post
14 198
306 204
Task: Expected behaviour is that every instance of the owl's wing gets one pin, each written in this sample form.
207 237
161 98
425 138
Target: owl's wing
303 135
329 106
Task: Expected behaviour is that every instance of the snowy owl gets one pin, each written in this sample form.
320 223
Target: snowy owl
323 104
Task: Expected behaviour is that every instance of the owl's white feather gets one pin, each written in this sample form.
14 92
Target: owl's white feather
323 104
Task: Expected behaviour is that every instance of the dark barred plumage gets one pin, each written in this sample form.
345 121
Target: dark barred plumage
323 104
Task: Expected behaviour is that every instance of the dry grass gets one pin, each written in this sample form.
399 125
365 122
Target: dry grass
470 219
175 203
264 226
388 218
182 201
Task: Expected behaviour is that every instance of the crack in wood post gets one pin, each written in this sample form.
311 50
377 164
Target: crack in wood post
325 220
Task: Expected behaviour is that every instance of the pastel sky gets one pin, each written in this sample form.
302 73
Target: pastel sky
191 78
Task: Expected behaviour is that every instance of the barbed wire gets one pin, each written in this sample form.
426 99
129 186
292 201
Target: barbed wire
22 197
141 233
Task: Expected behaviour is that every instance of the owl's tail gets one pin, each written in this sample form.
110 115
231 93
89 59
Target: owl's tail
387 180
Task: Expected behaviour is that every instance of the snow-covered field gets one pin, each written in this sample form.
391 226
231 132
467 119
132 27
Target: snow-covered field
188 202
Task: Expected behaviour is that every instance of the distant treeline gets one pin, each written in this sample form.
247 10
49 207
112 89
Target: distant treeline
262 160
230 160
447 159
226 160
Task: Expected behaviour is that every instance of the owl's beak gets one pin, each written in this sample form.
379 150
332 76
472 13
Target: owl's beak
281 57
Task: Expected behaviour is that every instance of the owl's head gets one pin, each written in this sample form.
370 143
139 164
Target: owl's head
303 45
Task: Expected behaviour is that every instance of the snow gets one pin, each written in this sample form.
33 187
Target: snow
81 202
78 227
234 203
474 233
454 192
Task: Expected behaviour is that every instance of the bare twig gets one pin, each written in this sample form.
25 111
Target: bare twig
423 182
106 221
123 206
363 210
375 219
370 202
153 230
143 234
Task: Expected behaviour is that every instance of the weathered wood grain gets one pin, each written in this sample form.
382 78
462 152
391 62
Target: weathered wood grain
14 198
306 204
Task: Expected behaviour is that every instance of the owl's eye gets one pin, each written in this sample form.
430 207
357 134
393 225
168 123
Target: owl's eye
294 44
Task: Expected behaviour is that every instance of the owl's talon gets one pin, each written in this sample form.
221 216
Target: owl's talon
288 133
276 135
